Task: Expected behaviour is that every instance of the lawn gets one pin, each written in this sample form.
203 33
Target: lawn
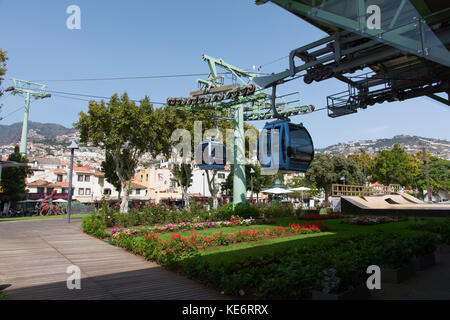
240 252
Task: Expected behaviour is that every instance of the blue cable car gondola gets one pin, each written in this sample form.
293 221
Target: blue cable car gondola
296 149
213 155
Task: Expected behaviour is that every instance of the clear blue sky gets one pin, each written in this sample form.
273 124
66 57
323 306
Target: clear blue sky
141 37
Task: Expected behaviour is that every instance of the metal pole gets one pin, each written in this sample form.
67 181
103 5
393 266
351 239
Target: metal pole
427 176
251 177
23 141
69 204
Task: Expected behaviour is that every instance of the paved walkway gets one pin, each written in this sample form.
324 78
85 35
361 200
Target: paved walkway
34 256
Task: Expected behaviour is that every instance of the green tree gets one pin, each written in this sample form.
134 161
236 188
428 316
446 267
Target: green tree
327 170
395 166
3 59
125 131
183 174
348 168
439 173
13 178
321 173
109 169
363 159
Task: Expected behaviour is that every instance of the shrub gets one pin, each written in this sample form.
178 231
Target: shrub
93 224
246 211
277 210
225 212
441 228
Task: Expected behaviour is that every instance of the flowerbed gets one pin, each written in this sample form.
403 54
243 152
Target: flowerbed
186 226
322 216
169 252
117 232
372 220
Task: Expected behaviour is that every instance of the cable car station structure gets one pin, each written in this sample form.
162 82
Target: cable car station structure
404 44
406 50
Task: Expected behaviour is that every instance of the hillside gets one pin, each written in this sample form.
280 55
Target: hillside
55 135
439 148
36 132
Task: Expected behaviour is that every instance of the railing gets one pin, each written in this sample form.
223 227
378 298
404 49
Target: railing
340 190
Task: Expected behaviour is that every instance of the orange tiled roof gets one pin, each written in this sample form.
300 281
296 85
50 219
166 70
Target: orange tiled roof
83 169
61 185
99 174
135 186
61 171
38 183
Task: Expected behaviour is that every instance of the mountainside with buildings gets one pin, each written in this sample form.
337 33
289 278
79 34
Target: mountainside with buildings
39 132
412 144
50 139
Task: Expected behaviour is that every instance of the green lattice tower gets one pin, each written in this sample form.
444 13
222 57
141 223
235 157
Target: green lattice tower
30 90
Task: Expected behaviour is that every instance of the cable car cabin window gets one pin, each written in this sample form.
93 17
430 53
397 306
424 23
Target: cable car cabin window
283 144
301 149
268 151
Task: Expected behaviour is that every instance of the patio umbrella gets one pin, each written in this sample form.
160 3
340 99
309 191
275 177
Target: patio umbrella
277 191
301 189
60 201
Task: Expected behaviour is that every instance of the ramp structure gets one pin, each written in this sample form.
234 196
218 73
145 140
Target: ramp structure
393 204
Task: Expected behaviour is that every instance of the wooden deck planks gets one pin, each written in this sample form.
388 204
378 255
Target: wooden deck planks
34 256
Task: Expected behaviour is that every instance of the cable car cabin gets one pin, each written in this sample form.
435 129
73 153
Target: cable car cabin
213 155
295 147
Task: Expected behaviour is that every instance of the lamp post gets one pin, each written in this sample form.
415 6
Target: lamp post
72 148
252 172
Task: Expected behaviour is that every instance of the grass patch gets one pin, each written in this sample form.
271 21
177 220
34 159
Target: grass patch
3 297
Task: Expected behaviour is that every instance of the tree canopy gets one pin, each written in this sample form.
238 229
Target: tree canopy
3 59
395 166
13 178
125 131
327 170
439 173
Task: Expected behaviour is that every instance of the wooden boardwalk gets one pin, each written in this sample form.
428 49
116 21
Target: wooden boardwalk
34 256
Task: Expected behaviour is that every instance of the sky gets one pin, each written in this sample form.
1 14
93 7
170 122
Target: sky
166 37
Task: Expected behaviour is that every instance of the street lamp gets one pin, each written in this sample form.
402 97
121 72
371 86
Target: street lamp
72 148
252 172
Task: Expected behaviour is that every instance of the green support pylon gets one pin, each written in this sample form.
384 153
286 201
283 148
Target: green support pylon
23 140
240 180
30 89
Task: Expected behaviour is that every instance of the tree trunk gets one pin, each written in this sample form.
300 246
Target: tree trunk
213 188
6 207
215 203
124 204
185 198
